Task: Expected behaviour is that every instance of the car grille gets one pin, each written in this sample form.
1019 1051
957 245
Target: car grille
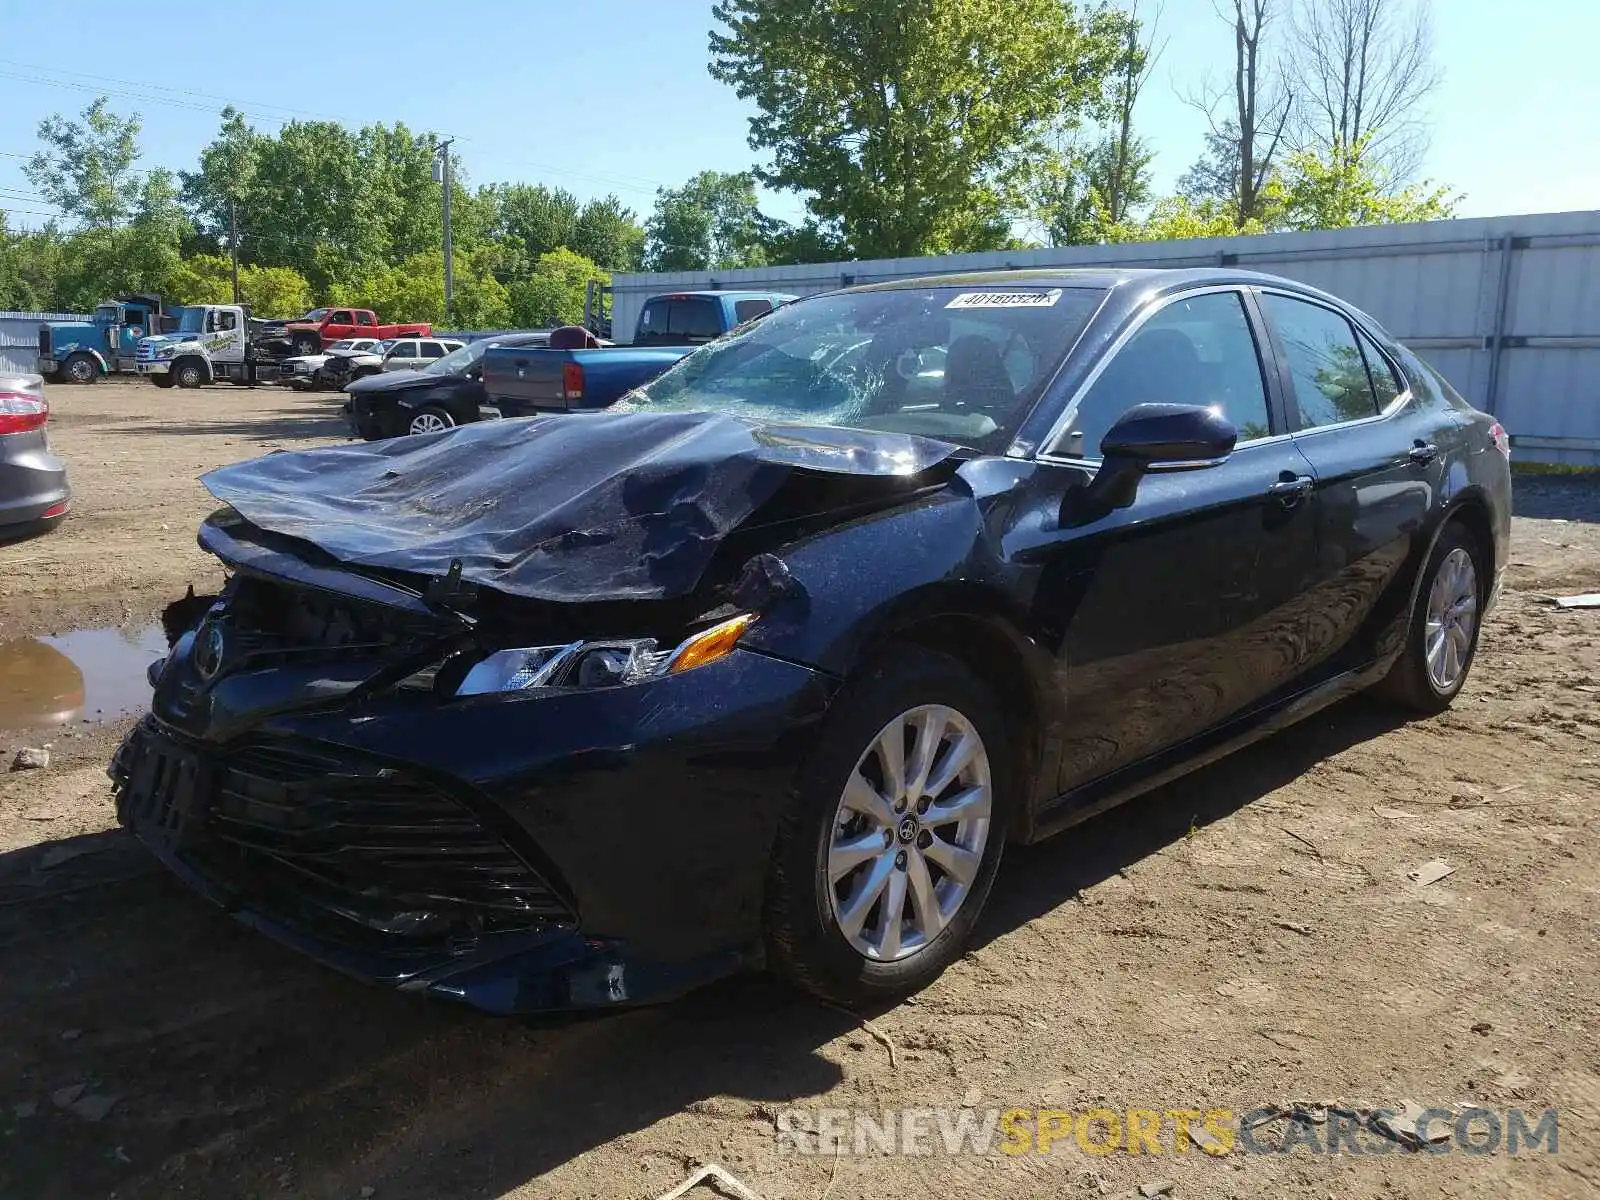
145 352
361 854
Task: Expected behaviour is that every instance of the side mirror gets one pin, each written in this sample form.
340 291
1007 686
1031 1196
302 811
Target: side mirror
1152 437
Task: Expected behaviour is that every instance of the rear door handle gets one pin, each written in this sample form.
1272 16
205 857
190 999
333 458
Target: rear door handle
1422 452
1291 489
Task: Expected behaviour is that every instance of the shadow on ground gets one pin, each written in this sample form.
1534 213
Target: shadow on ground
259 425
238 1068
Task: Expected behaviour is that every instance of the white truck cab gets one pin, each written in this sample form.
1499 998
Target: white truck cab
212 342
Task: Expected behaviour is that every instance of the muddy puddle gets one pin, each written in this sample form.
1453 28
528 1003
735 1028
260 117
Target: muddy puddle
86 674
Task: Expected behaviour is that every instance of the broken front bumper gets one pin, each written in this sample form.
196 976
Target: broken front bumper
585 850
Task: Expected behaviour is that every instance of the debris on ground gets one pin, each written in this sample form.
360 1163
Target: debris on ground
1294 927
1402 1125
1464 795
716 1176
1483 1028
80 1102
1582 600
1432 872
1389 814
31 758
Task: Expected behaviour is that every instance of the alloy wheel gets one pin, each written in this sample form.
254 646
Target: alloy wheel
427 422
907 838
1451 620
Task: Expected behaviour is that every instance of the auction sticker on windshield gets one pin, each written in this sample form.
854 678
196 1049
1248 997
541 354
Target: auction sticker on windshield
1006 299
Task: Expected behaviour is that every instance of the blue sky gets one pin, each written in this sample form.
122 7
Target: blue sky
613 95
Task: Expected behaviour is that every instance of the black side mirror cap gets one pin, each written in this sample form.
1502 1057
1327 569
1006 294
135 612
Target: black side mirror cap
1170 435
1149 437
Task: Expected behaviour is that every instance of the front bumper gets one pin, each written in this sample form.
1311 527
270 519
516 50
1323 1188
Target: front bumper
155 367
626 833
47 366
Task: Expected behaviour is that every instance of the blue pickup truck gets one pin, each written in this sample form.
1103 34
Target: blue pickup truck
520 381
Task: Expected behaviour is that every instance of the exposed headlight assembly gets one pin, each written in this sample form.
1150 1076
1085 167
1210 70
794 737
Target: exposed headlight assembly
601 663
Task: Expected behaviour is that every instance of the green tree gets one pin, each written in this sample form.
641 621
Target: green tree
414 291
907 121
534 218
1174 218
1350 187
86 167
554 294
710 223
609 234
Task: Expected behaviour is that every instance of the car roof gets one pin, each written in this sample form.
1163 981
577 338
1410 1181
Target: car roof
728 292
1084 277
1115 279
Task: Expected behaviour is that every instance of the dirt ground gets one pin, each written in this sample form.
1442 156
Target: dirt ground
1248 935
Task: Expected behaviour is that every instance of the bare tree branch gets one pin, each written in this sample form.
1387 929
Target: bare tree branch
1365 69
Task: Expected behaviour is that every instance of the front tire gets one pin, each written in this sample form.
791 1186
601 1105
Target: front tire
81 368
306 343
161 381
188 374
1442 635
432 419
886 854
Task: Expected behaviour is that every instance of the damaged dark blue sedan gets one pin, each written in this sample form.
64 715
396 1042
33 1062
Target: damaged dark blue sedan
769 664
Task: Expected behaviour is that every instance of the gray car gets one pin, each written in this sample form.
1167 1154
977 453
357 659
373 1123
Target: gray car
33 482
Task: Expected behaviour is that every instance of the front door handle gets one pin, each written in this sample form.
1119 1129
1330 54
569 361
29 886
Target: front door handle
1290 489
1422 452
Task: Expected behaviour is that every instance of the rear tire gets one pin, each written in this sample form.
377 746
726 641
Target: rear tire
431 419
838 871
81 368
1442 634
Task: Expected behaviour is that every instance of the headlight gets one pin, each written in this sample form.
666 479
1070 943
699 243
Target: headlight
166 351
600 664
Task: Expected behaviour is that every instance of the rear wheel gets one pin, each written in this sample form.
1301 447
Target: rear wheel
188 374
1442 637
886 855
81 368
432 419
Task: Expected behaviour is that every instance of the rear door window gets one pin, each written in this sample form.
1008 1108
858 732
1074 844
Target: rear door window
432 350
745 310
365 318
340 317
1331 384
404 350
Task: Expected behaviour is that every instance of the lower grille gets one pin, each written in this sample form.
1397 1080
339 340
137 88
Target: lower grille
362 854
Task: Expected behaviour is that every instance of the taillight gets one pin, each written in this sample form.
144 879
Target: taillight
1501 439
22 411
572 381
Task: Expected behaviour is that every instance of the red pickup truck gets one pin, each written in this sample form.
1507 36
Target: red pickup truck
323 326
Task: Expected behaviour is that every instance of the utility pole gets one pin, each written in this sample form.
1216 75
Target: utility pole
443 148
233 248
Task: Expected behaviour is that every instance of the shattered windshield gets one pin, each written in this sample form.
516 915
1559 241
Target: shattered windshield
963 364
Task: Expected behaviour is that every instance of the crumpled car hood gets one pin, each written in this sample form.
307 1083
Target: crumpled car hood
625 506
